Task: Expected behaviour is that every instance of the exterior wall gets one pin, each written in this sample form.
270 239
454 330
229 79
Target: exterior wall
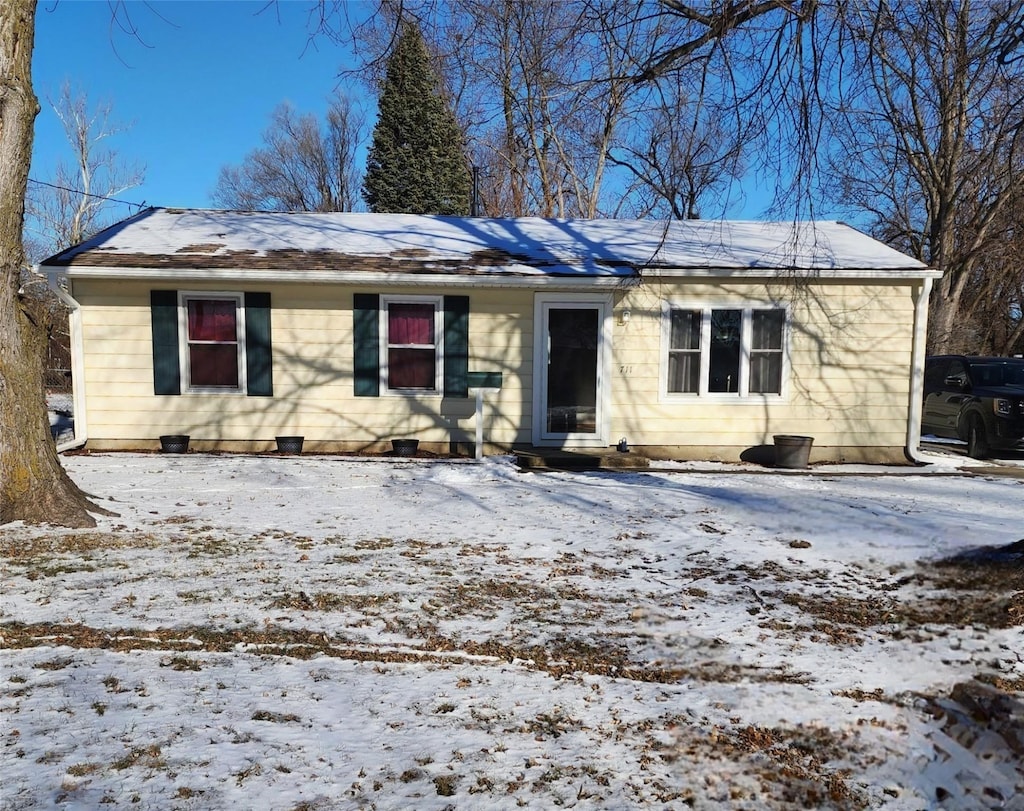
312 336
847 382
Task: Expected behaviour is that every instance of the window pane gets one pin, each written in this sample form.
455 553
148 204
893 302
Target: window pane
411 324
685 329
935 374
725 350
766 373
211 320
213 365
574 337
411 369
683 371
1014 373
767 328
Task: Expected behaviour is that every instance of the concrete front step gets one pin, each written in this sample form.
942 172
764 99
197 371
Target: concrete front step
579 460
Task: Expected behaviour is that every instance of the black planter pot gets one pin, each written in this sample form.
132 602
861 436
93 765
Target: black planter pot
289 444
405 447
174 443
792 452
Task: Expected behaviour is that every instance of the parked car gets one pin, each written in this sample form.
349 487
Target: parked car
974 399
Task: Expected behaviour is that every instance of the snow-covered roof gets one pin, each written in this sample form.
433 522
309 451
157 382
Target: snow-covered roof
343 243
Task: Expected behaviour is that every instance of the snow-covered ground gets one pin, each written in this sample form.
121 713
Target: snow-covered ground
308 632
60 406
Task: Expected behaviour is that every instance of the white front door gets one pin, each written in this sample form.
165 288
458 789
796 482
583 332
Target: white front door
570 370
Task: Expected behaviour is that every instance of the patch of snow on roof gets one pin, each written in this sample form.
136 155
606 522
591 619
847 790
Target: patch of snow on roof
529 240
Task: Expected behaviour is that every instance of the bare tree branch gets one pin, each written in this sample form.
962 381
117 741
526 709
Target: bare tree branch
303 165
78 199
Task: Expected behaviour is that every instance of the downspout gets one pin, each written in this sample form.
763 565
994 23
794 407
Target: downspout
912 449
77 364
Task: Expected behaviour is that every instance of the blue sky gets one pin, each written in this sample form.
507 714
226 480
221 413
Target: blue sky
197 87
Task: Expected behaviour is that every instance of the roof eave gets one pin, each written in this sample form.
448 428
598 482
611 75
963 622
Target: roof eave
244 276
495 279
798 274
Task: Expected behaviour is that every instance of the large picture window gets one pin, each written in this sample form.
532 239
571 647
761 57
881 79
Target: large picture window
723 351
412 349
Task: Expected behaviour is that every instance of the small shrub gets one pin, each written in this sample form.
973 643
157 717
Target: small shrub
445 784
275 717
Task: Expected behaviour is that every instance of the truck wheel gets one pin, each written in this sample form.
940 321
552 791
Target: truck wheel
977 439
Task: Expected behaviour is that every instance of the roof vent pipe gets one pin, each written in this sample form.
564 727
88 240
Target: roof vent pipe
474 205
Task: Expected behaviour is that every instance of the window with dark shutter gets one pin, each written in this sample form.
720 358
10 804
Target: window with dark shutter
410 344
212 342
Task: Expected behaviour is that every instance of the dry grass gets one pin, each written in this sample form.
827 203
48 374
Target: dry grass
553 624
24 547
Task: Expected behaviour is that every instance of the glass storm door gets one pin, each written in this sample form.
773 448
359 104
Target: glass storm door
571 399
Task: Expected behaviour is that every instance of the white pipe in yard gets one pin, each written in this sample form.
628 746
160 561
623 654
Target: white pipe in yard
480 422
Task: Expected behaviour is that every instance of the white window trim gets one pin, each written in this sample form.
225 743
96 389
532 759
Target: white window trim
746 330
184 296
438 302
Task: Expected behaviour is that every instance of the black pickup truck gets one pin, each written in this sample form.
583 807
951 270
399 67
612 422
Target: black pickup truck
975 399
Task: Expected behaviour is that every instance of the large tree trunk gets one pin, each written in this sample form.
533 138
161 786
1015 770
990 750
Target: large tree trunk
33 485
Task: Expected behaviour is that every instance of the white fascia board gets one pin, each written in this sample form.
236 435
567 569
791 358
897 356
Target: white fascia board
241 275
796 274
532 281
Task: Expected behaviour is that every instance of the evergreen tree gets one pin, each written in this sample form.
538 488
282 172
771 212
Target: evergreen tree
416 162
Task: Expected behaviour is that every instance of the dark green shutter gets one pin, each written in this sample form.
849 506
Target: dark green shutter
366 344
259 361
163 306
456 346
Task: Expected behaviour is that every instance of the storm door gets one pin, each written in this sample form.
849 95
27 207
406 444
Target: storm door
570 401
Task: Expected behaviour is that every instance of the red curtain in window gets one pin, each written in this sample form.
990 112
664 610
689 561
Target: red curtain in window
213 365
211 320
213 343
411 369
411 324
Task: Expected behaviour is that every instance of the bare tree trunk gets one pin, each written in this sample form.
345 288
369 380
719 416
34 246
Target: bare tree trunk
512 149
33 485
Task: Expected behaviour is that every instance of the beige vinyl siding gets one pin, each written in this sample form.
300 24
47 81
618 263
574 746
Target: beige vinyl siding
312 368
846 380
501 340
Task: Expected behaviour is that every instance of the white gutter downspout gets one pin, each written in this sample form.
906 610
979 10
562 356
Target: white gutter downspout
912 450
77 364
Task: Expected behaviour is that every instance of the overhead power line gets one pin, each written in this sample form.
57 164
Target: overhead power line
139 206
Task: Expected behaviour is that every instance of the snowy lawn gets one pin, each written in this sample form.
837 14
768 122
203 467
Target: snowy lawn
331 633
